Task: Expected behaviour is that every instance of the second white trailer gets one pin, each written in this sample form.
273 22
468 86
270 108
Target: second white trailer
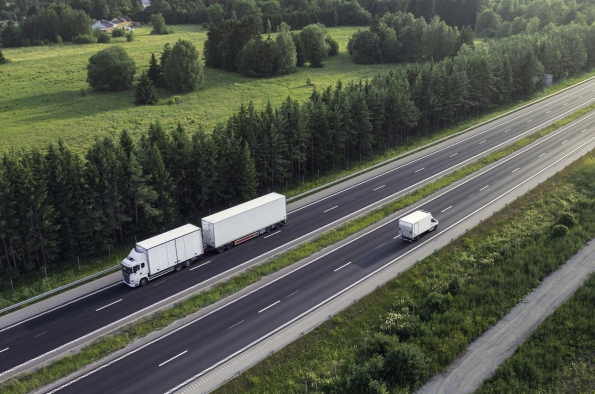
238 224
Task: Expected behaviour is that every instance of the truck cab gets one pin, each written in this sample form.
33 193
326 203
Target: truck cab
416 224
135 270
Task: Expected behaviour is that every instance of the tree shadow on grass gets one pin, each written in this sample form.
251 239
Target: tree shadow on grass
63 105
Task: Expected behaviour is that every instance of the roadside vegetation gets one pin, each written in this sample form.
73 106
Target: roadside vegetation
558 356
126 335
413 327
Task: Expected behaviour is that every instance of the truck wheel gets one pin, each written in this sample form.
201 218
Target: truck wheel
268 229
229 246
416 238
434 228
143 282
220 249
187 263
178 266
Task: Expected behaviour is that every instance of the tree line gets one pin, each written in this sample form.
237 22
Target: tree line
237 45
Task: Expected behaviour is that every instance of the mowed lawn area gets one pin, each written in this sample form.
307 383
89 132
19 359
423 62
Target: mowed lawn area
41 97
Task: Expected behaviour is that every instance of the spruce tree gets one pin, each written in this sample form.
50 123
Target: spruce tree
145 91
154 72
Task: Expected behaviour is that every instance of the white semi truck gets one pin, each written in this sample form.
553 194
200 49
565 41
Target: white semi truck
415 224
161 254
238 224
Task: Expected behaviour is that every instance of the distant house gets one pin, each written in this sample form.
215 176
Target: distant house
104 25
122 22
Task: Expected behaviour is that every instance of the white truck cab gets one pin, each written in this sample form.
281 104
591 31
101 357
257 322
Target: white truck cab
135 269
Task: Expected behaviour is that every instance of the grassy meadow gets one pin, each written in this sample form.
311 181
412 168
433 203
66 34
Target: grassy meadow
42 98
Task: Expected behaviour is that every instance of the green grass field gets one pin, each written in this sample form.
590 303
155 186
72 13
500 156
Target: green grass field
41 100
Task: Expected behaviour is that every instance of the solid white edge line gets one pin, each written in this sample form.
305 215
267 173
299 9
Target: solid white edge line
516 169
103 307
198 266
345 265
379 187
99 368
273 304
463 140
446 209
272 234
173 358
236 324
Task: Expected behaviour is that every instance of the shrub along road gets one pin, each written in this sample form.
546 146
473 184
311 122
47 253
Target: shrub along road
41 338
172 359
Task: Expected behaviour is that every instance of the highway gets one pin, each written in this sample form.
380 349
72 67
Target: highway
27 341
167 362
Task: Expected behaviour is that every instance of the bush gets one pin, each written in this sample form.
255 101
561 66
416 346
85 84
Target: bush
3 60
455 286
111 69
567 219
333 46
118 33
130 36
559 230
102 38
405 365
84 39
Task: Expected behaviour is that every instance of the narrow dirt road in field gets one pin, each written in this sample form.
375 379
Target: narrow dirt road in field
485 354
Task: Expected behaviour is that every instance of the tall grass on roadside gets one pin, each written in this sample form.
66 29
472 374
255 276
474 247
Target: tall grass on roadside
109 344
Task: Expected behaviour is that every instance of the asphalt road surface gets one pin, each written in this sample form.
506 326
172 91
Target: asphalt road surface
26 341
182 354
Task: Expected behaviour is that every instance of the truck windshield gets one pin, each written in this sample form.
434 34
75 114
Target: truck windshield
128 270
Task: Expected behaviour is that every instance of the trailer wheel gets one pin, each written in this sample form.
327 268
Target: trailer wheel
187 263
416 238
229 246
143 282
268 229
178 266
220 249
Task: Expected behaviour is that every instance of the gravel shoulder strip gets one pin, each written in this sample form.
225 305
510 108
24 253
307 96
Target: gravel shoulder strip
483 356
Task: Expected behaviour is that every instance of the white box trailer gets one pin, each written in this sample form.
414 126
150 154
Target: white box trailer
238 224
415 224
161 254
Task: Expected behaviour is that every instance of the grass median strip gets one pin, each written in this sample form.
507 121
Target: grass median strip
414 326
106 345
